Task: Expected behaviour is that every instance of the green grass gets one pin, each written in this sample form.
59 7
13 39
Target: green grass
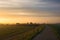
56 28
19 32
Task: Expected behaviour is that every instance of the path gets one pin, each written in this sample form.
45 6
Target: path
47 34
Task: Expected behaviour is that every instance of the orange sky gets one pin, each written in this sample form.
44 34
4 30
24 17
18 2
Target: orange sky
29 19
8 17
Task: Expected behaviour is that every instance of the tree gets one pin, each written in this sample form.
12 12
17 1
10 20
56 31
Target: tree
17 23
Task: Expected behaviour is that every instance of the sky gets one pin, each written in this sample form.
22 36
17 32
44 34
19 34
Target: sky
22 11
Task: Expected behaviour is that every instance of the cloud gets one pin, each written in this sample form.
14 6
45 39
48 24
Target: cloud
35 4
30 3
20 3
47 5
55 1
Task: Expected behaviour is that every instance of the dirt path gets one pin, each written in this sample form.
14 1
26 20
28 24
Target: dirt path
47 34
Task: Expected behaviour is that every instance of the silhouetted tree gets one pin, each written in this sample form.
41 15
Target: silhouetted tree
17 23
31 23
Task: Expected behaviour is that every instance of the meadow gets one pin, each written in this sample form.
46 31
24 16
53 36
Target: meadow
20 31
56 29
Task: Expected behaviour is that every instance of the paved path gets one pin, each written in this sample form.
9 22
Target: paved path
47 34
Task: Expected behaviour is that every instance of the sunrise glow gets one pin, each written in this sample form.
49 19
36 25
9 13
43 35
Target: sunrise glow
23 11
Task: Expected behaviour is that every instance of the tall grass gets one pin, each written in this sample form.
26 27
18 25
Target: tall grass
56 29
8 32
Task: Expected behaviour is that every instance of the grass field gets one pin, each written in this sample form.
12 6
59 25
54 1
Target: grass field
19 32
56 28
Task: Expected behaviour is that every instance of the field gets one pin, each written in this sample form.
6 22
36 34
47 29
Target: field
56 28
20 32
